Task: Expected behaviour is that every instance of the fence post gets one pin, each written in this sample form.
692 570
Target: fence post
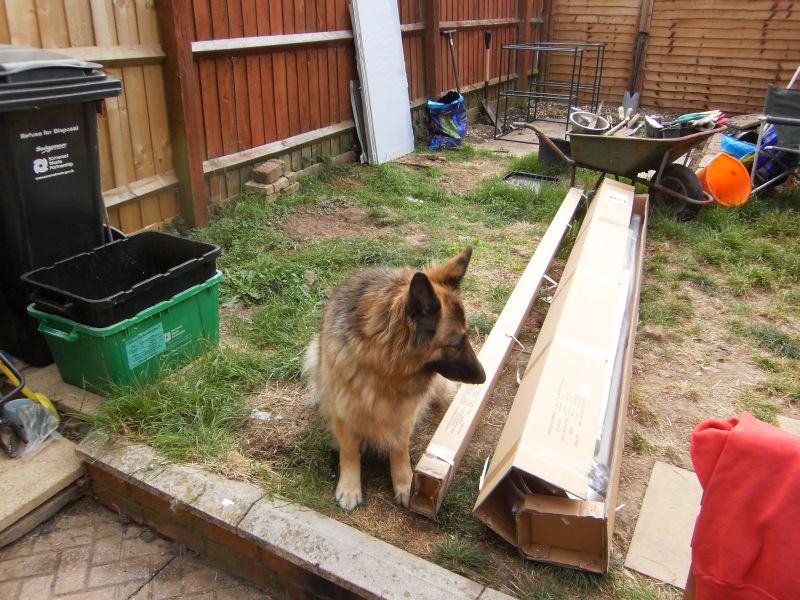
185 124
523 37
433 84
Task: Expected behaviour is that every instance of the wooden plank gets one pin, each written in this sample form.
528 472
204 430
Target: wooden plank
333 67
118 56
279 82
314 99
322 69
125 18
159 123
168 201
479 24
224 163
5 37
303 84
79 23
105 29
265 72
140 188
241 88
263 42
434 472
255 100
412 28
434 82
293 95
147 22
175 25
22 23
120 134
52 23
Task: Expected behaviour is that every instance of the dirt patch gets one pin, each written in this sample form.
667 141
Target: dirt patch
332 219
459 177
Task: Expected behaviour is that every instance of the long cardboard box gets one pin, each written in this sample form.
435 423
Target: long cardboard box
440 460
548 489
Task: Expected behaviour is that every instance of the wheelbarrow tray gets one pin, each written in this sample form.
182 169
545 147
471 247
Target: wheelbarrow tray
627 156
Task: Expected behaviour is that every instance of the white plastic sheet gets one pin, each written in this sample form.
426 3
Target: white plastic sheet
384 87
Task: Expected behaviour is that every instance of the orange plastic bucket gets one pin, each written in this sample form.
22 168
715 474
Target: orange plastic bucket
726 179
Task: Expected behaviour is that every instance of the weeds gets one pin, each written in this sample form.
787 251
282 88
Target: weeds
770 337
639 444
192 414
460 555
760 408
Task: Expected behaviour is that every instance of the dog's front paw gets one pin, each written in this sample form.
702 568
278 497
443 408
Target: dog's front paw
402 494
348 497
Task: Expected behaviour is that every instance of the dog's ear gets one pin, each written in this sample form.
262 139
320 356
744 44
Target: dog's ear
452 272
423 307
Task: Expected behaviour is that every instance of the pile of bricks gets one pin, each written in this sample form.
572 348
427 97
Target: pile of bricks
272 178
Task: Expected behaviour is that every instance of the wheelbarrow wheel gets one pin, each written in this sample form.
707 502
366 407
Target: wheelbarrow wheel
682 180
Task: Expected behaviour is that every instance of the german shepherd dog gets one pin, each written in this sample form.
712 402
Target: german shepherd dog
388 338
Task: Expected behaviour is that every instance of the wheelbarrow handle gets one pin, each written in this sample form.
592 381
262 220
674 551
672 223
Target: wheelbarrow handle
546 140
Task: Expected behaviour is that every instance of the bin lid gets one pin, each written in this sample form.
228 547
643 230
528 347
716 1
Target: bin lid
33 78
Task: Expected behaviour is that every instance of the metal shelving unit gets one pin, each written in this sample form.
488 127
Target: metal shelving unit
541 87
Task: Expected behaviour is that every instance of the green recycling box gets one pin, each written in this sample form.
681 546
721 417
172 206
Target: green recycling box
171 333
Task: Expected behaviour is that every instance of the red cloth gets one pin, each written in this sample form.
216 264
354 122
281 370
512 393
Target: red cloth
746 541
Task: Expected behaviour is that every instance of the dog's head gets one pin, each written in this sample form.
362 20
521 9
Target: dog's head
438 321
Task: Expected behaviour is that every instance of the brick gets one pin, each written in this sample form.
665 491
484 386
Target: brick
136 546
159 502
265 189
241 565
291 188
106 479
38 587
118 504
9 590
28 566
167 527
64 538
135 569
72 570
269 171
20 548
280 184
224 537
108 548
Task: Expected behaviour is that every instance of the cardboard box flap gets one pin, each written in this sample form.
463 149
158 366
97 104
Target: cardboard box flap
567 532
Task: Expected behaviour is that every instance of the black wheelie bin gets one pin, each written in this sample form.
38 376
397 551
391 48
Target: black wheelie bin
51 205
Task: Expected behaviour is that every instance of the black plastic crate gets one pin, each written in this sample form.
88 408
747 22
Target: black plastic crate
116 281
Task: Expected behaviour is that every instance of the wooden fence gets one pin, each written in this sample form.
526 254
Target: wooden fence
699 54
211 87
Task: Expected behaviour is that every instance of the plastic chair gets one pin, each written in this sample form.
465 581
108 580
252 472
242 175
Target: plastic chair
782 110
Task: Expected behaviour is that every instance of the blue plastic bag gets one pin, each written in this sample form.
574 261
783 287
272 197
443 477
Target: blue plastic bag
448 120
736 148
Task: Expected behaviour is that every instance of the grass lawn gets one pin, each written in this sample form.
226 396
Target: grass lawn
719 333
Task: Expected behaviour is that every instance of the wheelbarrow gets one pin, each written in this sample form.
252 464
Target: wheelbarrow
674 186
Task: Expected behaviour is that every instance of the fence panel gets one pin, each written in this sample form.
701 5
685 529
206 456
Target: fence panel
134 141
707 54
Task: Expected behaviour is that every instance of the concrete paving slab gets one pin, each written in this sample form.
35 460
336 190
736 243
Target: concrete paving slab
36 479
350 558
661 543
66 397
524 141
789 424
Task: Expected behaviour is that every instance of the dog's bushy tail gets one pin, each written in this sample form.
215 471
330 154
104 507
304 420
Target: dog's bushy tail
311 370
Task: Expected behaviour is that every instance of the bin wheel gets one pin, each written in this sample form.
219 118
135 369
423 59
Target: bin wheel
682 180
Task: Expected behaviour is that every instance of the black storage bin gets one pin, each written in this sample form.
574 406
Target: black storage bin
51 205
115 281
